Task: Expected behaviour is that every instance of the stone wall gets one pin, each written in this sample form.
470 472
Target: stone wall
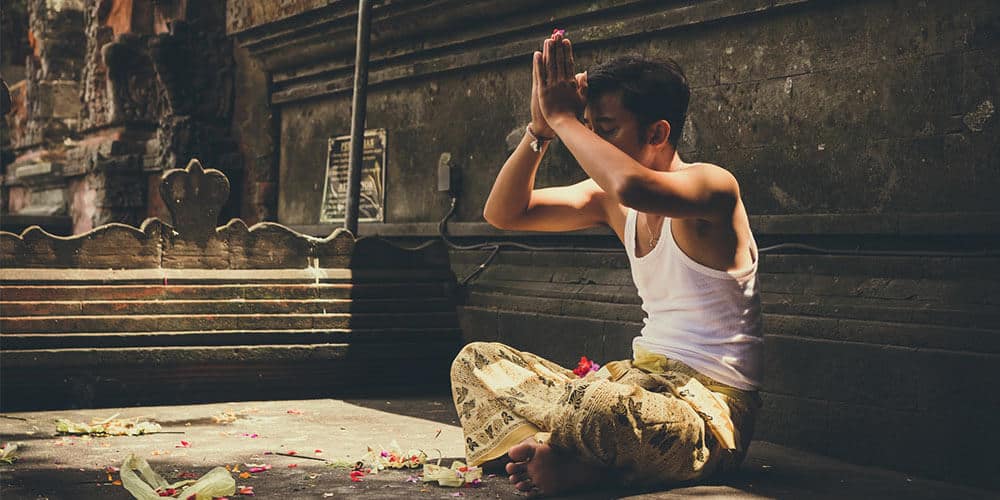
890 111
116 92
857 125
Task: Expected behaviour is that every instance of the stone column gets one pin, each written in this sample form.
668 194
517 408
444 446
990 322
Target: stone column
46 111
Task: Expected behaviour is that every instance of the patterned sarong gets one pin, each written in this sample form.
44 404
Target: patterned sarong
654 420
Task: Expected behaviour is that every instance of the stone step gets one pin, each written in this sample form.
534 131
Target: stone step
907 267
864 308
90 378
559 306
20 293
180 322
159 275
225 306
976 332
898 266
558 274
982 291
883 333
953 290
586 302
619 294
355 336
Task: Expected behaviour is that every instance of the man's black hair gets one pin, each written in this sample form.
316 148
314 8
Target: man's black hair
653 89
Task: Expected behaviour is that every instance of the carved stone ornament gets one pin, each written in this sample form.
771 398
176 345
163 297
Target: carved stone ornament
194 197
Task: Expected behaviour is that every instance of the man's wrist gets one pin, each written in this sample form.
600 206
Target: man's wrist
558 121
537 141
541 133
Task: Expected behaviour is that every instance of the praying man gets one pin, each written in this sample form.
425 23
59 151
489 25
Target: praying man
683 408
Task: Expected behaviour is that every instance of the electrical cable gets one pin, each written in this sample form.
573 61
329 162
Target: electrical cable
495 247
900 253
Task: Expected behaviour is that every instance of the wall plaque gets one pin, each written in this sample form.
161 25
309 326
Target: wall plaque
372 200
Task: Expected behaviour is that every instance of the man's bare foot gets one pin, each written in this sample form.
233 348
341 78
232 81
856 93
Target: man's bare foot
495 466
540 469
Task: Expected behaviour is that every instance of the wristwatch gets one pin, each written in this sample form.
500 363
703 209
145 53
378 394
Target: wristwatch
536 141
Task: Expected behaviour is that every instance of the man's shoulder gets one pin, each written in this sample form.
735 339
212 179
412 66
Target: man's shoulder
716 176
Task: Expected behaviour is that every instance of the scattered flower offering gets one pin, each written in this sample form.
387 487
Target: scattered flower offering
7 452
245 490
144 483
456 476
226 417
395 458
111 426
585 366
184 444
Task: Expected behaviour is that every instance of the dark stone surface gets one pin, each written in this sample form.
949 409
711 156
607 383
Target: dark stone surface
873 110
343 429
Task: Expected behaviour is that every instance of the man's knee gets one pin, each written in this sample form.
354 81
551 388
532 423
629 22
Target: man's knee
465 357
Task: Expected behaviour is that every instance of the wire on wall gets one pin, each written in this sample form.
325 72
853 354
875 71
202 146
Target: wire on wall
495 246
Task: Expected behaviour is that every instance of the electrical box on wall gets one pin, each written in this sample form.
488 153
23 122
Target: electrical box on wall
449 176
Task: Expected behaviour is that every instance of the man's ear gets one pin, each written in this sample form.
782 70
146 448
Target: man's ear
658 133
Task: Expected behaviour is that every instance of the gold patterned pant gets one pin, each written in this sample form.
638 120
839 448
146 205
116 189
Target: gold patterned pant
654 427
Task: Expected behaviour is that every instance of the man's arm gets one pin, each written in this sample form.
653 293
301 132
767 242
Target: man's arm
703 191
515 204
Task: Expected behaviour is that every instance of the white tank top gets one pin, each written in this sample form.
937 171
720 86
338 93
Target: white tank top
706 318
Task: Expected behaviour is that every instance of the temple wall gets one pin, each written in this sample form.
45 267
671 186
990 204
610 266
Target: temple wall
851 125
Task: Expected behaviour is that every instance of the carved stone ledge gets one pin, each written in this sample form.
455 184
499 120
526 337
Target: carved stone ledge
194 196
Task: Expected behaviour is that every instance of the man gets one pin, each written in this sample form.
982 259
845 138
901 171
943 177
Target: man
683 407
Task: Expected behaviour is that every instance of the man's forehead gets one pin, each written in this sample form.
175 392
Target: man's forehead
606 106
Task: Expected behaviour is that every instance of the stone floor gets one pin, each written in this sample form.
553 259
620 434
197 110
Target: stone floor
57 467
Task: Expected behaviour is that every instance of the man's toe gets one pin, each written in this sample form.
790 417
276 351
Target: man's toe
525 485
522 452
518 478
516 468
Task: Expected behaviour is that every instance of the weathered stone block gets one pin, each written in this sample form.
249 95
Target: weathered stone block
57 99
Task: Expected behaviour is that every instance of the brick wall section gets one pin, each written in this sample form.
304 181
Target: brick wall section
116 93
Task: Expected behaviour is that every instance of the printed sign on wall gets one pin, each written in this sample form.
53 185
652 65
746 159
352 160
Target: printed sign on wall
371 206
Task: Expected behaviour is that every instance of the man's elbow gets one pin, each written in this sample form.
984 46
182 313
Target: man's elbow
630 191
495 221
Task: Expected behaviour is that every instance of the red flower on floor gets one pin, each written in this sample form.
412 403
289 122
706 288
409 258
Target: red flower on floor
585 366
